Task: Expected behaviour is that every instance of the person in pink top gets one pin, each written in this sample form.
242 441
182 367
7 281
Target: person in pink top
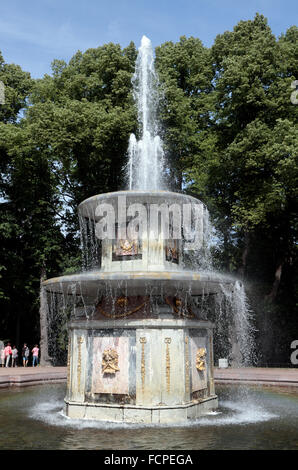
35 352
7 354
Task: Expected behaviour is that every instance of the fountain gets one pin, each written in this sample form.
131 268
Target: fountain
140 343
142 318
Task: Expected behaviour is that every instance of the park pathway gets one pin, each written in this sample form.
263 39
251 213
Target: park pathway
257 376
24 376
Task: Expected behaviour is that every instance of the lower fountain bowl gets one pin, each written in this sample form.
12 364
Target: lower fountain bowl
93 283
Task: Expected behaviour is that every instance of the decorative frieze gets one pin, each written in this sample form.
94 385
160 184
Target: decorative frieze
168 364
143 369
110 361
121 308
179 308
187 374
80 340
68 362
201 359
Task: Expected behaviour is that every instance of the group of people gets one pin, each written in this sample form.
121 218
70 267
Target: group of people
9 355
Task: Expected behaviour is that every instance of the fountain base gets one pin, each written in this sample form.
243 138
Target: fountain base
140 370
146 415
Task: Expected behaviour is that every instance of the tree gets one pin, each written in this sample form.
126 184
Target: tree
69 143
17 85
185 72
249 178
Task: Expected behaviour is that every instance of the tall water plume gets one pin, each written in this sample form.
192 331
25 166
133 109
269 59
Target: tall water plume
146 156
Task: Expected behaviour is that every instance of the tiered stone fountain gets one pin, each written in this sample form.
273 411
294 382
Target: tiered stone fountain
140 346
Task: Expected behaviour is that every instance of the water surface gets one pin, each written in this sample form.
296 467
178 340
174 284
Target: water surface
247 418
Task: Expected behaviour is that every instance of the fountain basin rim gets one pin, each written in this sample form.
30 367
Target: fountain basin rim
192 402
92 281
138 194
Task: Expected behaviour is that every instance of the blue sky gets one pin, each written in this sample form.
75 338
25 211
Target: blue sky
34 32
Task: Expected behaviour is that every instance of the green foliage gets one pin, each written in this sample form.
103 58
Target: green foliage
185 70
249 168
84 114
17 86
69 143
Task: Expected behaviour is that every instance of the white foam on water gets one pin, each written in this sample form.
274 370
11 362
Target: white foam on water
51 413
242 413
238 413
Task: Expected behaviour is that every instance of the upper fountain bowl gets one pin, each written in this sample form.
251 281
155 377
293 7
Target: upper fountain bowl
141 230
87 208
173 226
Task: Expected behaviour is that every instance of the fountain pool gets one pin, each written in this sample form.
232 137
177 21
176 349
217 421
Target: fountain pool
264 418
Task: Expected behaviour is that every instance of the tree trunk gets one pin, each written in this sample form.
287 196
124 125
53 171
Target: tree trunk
45 360
242 269
276 283
180 180
18 329
226 252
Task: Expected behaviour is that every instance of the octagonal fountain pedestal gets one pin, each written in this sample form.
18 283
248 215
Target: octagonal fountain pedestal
143 371
140 345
